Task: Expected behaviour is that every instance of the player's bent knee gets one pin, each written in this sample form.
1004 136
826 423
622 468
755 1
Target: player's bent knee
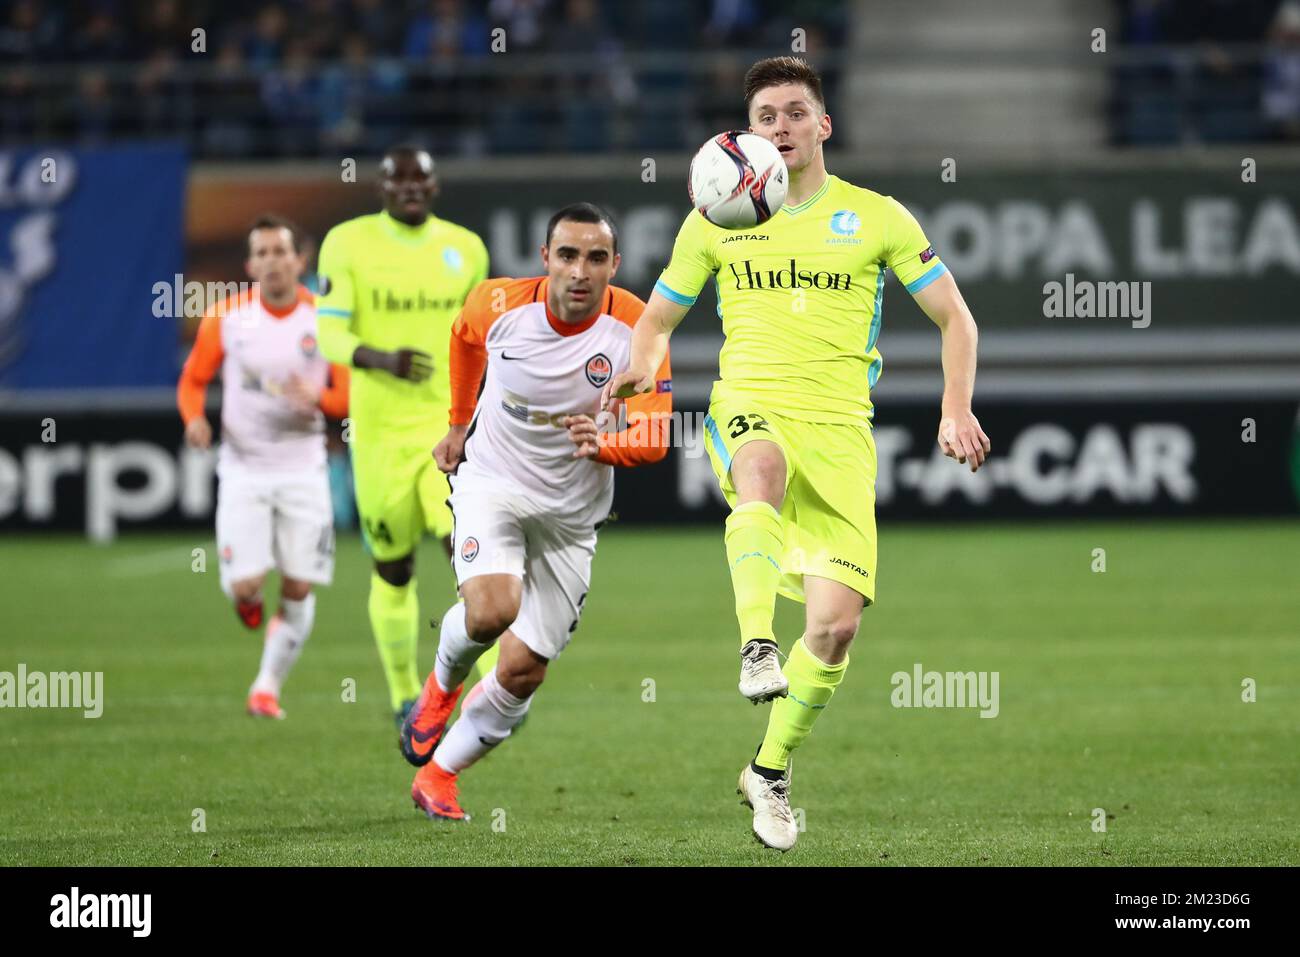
397 572
487 620
759 473
293 589
246 589
838 632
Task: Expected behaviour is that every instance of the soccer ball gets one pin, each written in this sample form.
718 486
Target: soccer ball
738 180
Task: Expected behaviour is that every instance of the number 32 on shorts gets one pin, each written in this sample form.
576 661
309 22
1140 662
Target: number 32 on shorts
741 424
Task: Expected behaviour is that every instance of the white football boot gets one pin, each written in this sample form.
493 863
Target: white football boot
760 672
774 823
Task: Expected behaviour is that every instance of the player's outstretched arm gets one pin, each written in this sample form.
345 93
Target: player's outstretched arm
649 348
960 435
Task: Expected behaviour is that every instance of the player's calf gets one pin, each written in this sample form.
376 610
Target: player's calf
286 634
490 714
520 670
494 707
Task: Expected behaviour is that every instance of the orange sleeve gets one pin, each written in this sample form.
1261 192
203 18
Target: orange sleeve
468 359
200 368
334 397
646 437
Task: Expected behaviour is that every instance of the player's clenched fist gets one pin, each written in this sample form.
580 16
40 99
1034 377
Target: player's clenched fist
198 433
624 386
961 438
451 450
411 364
583 434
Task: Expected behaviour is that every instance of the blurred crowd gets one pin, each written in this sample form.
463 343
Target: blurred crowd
1208 71
264 78
312 77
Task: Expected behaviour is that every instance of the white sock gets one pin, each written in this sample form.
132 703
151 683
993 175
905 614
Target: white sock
286 633
456 651
486 719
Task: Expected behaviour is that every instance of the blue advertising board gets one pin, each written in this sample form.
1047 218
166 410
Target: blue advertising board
85 234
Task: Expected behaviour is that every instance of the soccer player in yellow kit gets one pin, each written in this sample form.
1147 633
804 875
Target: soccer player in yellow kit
391 284
789 423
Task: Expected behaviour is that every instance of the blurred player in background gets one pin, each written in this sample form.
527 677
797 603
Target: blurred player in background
390 285
273 501
531 482
789 423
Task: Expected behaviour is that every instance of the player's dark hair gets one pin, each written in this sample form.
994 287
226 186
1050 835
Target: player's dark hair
582 213
272 221
777 70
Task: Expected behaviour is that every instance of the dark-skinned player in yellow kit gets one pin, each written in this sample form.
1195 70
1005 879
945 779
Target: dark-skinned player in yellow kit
391 284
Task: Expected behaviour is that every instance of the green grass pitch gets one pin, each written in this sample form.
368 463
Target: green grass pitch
1119 690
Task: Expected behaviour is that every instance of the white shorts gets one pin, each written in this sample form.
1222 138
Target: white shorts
271 520
498 531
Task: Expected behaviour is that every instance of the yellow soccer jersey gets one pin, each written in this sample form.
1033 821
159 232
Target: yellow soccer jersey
390 286
800 297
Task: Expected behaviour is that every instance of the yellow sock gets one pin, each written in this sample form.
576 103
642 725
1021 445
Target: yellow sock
812 682
395 621
753 540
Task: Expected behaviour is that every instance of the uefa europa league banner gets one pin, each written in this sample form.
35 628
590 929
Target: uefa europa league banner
1220 249
85 234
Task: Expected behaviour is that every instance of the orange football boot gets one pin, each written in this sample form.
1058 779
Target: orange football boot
250 613
423 727
263 704
434 792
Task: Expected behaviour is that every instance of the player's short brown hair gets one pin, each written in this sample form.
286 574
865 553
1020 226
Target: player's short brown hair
776 70
272 221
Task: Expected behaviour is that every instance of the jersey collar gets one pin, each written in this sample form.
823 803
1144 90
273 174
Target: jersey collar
565 328
821 191
284 312
407 234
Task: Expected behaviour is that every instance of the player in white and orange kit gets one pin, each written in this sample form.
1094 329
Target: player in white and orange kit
273 500
531 482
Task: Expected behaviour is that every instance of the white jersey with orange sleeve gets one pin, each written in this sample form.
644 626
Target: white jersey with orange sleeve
523 504
273 503
540 370
258 348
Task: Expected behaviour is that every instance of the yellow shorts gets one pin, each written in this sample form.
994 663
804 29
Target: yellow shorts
400 494
829 509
